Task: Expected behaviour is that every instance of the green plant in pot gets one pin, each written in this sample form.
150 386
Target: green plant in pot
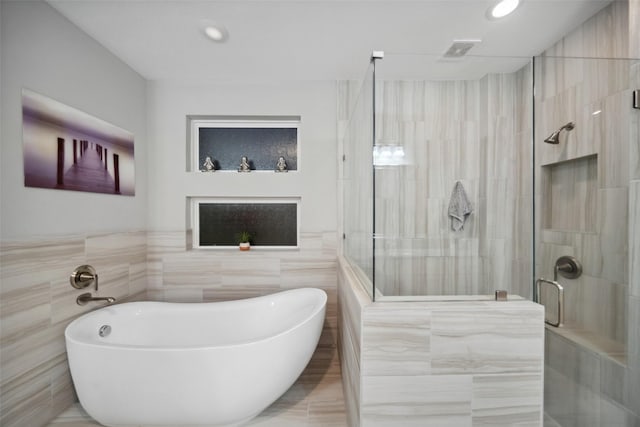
244 240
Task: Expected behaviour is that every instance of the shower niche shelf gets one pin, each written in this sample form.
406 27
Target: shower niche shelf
225 140
570 194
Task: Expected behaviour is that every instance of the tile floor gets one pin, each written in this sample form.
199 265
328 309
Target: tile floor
315 400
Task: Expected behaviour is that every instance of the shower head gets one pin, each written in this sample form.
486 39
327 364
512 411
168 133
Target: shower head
554 138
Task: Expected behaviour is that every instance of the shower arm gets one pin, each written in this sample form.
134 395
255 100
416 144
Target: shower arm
568 126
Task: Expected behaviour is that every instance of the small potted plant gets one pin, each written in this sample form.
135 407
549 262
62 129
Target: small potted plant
244 240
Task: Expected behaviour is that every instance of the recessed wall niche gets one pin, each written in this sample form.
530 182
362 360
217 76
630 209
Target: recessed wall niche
271 222
569 194
218 143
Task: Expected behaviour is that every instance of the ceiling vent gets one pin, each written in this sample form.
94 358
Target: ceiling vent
459 48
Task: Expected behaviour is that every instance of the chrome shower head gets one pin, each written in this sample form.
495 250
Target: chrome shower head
554 138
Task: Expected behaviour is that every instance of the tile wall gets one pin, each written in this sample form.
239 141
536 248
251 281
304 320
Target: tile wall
631 387
464 363
179 275
474 131
592 376
37 302
584 181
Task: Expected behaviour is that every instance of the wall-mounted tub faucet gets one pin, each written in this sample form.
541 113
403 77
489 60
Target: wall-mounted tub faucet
83 276
86 298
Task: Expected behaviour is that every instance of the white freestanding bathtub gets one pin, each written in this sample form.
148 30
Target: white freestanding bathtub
177 364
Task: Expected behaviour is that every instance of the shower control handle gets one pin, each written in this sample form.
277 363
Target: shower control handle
83 276
568 267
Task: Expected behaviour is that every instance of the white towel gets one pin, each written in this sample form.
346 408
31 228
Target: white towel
459 207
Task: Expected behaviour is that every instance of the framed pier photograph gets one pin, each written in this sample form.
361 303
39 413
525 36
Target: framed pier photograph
68 149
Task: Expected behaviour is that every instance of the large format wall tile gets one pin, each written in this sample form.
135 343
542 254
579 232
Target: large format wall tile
178 273
351 301
588 382
580 82
506 400
634 238
397 341
417 400
470 127
38 302
496 338
446 363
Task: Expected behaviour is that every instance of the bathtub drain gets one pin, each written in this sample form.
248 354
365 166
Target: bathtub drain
104 330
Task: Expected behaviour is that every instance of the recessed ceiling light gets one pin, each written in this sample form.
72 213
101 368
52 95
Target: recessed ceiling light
502 9
216 33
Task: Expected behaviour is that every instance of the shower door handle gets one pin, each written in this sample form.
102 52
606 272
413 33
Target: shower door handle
560 289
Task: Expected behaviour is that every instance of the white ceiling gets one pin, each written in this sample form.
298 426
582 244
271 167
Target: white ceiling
276 40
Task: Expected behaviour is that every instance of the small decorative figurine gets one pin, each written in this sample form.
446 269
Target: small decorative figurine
208 165
281 166
244 165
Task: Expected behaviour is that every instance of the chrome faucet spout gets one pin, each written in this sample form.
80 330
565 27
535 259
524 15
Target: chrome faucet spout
86 298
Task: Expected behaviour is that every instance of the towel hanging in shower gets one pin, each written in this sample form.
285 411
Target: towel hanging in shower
459 207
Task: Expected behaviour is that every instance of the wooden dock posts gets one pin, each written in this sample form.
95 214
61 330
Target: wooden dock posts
82 165
116 172
60 171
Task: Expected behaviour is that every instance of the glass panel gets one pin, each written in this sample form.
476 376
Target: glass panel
582 182
358 179
585 175
453 140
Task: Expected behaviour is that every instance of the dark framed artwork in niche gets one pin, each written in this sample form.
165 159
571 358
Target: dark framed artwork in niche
270 224
262 145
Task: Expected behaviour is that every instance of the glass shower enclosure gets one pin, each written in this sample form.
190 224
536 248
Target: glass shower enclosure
469 175
438 177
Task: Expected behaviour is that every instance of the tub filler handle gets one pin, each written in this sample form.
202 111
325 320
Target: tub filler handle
558 286
86 298
84 276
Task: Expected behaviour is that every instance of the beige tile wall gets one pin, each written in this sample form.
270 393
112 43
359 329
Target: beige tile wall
37 302
177 274
594 375
350 303
475 131
463 363
572 89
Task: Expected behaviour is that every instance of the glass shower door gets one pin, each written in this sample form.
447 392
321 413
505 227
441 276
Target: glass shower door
586 185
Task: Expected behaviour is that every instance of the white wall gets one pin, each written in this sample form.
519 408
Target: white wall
170 184
44 52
